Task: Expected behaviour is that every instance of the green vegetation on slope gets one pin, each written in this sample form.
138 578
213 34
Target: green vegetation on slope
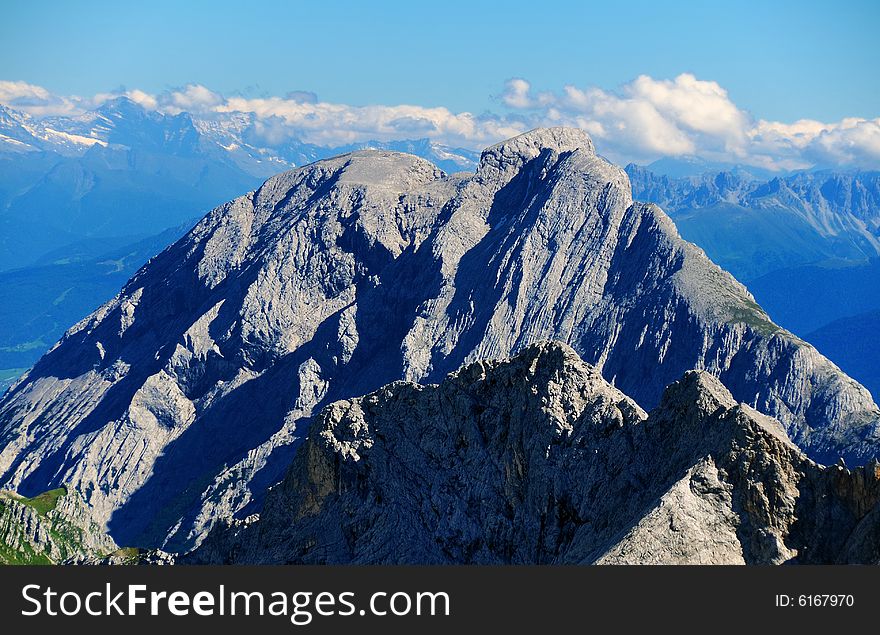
34 531
45 502
752 315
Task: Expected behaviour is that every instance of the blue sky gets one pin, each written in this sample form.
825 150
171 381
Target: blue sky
780 60
782 85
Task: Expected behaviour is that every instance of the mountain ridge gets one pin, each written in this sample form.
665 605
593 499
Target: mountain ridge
538 460
65 179
123 123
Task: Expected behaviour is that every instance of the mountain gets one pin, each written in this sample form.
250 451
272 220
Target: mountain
450 160
180 401
122 122
20 133
230 136
853 343
22 238
693 166
834 307
753 227
806 244
539 460
110 192
88 186
120 172
821 196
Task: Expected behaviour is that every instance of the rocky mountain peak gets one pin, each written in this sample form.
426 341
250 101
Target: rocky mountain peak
551 356
529 145
122 106
503 160
706 409
390 170
699 387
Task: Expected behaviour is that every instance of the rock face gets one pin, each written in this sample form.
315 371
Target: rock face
183 399
52 528
537 459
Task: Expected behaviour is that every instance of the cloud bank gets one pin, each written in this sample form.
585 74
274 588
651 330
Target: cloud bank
648 118
642 120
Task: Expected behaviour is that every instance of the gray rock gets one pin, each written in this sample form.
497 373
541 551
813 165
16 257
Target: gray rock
537 459
50 529
183 399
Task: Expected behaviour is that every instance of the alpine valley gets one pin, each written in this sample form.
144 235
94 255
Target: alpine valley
367 359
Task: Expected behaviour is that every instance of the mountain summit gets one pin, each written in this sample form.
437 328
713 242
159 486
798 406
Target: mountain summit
183 399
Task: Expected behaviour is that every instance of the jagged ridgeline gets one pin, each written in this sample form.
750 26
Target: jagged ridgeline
182 400
537 459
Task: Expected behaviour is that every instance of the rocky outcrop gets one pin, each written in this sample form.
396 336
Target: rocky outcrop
24 537
183 399
52 528
537 459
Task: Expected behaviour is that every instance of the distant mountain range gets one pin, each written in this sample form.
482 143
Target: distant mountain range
752 227
692 166
228 137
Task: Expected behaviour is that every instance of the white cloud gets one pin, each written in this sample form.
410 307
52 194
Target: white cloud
695 106
36 100
642 120
851 142
193 98
12 92
516 93
333 124
146 100
649 118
